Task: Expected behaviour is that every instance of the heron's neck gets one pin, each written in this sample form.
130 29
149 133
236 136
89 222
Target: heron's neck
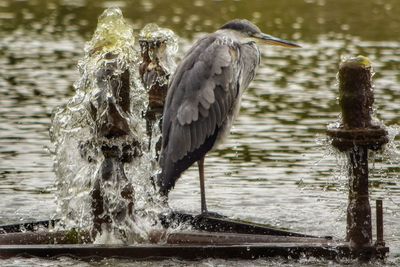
233 36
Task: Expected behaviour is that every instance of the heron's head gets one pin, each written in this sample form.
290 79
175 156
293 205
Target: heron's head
247 30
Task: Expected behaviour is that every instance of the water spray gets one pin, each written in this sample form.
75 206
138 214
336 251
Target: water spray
113 124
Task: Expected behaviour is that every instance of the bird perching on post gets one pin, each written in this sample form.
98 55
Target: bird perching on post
204 96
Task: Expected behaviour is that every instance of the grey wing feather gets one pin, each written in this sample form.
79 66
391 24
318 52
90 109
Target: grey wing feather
200 96
201 80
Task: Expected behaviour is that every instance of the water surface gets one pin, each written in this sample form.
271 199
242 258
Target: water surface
275 168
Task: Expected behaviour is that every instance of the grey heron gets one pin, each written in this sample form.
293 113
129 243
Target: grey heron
204 97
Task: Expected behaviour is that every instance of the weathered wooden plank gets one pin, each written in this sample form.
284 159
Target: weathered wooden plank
45 237
224 238
185 252
207 238
211 223
220 223
29 226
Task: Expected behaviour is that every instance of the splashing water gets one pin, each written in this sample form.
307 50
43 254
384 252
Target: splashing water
165 55
387 159
100 140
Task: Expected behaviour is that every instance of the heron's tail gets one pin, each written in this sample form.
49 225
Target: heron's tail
163 189
172 170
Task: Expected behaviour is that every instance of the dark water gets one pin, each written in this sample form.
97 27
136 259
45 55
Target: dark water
274 168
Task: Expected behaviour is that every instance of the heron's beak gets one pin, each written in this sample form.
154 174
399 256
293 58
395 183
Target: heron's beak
271 40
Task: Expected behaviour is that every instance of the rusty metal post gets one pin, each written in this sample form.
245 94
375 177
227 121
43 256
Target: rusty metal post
155 79
355 136
359 229
379 223
153 74
155 71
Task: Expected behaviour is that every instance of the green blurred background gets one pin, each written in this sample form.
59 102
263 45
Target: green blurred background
368 19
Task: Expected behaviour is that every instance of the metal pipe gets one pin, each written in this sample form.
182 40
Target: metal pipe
355 136
359 227
356 100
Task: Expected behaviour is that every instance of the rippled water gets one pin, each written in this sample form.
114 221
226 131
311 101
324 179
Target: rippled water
275 168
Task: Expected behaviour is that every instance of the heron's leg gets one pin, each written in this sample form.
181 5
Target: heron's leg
202 188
